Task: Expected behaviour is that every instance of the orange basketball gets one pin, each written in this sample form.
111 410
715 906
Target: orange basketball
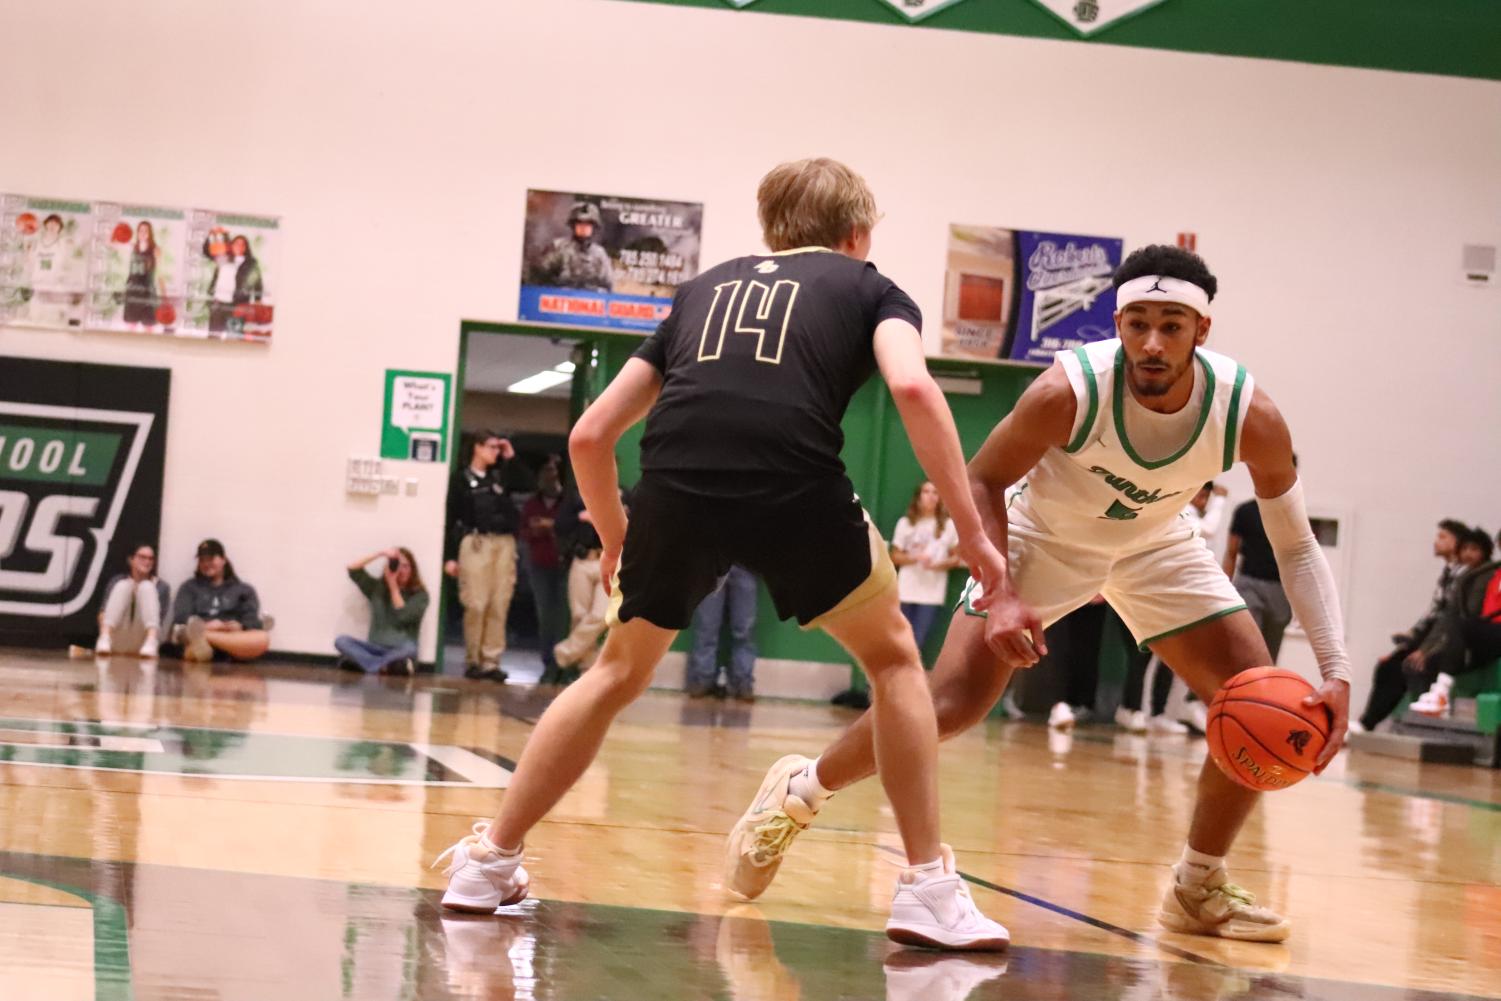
1260 733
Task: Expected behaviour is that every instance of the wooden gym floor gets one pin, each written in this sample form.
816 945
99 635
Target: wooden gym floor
255 833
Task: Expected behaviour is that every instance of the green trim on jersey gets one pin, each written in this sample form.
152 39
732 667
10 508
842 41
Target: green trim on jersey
966 600
1094 404
1196 622
1121 389
1233 421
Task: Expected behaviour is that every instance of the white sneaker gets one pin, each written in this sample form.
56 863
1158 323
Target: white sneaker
1062 717
938 976
762 835
1161 724
1134 721
149 646
1435 701
101 646
1195 716
1355 727
1219 907
480 880
935 911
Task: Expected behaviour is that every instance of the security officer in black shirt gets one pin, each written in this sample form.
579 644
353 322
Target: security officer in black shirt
480 550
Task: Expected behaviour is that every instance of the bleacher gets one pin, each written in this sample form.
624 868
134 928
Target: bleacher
1472 735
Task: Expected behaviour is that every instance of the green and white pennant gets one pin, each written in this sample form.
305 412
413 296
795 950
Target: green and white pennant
1089 16
916 10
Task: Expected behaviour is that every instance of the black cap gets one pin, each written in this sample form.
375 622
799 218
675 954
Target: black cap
210 547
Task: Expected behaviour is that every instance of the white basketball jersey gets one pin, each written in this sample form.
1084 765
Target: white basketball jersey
1097 491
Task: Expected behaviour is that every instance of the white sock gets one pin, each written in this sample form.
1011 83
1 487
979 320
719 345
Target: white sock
1196 867
491 848
806 787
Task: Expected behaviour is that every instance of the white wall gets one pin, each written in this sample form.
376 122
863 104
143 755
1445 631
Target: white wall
396 142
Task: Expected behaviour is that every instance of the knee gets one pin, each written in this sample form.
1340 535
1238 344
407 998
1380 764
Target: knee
957 711
899 656
621 683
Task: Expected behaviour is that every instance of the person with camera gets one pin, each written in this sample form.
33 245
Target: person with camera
398 600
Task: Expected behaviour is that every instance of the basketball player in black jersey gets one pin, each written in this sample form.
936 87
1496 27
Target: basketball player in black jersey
743 388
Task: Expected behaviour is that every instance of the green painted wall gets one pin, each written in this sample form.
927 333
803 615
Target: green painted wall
1447 37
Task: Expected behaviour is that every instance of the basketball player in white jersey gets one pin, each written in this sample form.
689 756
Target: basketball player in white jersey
1081 486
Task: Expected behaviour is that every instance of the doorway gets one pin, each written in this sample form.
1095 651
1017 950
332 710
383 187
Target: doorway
525 385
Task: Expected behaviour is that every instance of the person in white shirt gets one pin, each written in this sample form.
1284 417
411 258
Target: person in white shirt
923 549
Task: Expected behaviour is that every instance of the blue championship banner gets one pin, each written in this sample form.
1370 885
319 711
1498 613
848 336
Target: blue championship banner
604 261
1064 294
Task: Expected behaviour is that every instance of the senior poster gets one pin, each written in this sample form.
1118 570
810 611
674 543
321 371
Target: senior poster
605 260
231 275
136 281
44 261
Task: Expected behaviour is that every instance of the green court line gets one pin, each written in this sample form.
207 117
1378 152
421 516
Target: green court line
1442 797
112 981
1358 784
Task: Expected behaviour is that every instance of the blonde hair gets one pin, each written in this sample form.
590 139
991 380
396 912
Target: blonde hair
813 203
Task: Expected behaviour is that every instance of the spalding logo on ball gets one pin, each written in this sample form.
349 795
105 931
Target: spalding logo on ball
1260 733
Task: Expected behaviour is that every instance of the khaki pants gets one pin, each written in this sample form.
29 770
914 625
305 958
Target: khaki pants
487 579
589 603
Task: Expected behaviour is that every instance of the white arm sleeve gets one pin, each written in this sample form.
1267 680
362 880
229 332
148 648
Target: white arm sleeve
1307 579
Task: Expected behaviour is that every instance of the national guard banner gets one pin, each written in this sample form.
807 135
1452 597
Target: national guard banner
1022 295
604 260
82 452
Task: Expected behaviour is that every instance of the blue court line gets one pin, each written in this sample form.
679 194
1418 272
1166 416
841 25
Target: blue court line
1105 926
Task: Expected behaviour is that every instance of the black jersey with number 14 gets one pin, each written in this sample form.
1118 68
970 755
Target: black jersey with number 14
759 359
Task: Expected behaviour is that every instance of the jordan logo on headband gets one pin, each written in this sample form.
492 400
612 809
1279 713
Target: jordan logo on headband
1156 286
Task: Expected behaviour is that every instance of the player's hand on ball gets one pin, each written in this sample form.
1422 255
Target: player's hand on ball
1335 696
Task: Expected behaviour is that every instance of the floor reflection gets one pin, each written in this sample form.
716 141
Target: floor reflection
160 933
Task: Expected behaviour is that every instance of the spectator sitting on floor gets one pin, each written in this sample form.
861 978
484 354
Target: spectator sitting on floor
1467 635
131 617
1389 682
216 612
398 600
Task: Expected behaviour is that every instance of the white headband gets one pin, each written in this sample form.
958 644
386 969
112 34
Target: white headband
1160 288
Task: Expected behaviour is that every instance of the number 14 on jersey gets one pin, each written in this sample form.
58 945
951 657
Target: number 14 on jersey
754 308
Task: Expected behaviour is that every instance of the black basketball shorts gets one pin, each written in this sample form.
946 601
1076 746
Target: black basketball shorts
815 548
